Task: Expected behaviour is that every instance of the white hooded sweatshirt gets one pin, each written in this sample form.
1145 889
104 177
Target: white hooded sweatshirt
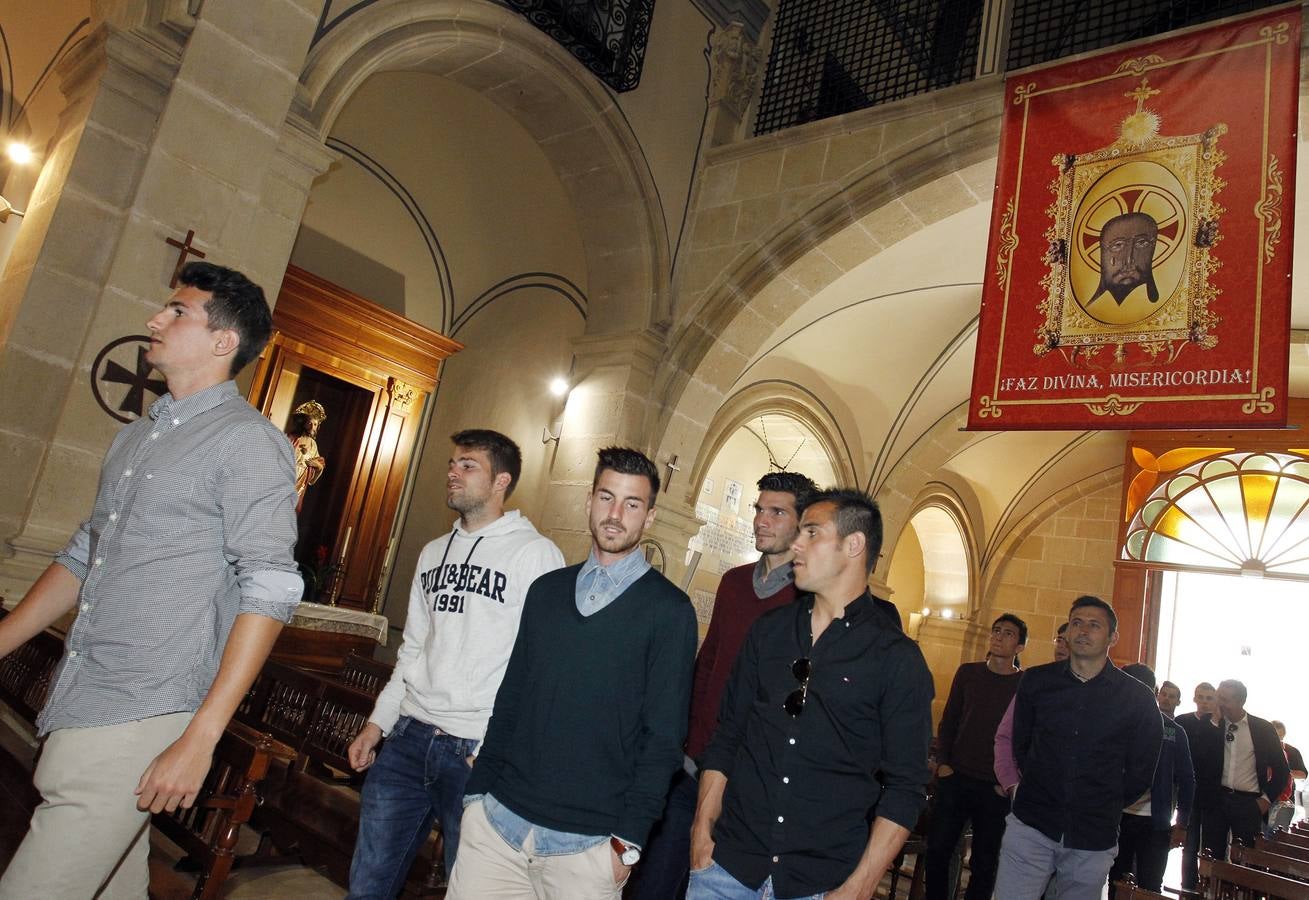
464 606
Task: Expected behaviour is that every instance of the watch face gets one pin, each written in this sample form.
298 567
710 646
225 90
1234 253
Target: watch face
631 856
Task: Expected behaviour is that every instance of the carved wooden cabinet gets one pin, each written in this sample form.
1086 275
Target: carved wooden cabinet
373 371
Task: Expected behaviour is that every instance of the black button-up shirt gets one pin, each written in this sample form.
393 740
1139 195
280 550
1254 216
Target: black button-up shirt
1086 750
802 791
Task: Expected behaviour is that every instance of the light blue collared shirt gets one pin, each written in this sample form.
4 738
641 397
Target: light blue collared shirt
598 586
545 841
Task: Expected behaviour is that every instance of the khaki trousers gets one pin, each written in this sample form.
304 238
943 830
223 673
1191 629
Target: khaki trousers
489 868
87 838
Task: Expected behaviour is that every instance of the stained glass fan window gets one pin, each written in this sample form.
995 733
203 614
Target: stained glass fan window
1236 512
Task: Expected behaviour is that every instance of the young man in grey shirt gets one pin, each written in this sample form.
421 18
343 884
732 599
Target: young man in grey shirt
182 579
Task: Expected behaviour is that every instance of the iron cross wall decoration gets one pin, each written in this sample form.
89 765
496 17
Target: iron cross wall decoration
122 362
184 249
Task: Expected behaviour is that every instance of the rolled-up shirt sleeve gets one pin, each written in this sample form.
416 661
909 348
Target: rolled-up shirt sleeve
906 724
76 555
256 491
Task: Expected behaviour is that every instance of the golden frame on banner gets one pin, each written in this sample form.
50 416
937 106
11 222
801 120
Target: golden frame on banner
1157 192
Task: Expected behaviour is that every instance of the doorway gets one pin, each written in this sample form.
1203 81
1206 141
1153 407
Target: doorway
1213 627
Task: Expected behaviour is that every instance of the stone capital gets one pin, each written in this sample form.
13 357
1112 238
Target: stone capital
734 62
641 350
674 525
307 156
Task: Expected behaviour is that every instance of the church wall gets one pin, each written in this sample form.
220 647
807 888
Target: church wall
499 381
90 264
1070 553
439 184
667 110
33 38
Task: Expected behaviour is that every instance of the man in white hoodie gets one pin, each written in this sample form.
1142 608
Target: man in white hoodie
464 608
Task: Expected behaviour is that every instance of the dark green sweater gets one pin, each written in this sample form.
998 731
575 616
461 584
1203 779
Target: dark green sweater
589 721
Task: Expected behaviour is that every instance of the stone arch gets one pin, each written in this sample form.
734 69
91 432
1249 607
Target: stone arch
763 398
756 290
575 122
958 551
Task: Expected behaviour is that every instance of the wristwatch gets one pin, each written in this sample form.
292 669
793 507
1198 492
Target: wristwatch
628 854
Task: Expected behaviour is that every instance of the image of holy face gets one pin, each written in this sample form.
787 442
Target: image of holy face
1127 245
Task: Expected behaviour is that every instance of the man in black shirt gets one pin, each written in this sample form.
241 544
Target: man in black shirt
1086 738
823 729
1197 726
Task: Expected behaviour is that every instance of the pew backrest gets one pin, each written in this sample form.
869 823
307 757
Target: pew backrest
1272 862
365 673
1221 880
209 830
25 674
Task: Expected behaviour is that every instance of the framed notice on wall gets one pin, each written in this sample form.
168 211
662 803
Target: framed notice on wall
1138 273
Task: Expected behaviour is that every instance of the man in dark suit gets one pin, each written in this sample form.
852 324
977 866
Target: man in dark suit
1241 771
1197 725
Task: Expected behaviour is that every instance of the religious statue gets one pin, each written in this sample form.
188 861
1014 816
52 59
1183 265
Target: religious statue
303 432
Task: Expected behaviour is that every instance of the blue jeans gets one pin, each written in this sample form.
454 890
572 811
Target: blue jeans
661 874
419 775
715 883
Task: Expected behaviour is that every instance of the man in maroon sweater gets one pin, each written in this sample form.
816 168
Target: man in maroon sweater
744 594
966 788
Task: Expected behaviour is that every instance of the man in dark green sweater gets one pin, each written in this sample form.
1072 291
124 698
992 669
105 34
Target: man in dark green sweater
588 724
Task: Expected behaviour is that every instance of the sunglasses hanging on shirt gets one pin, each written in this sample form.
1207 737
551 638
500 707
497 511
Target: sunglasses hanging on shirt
794 703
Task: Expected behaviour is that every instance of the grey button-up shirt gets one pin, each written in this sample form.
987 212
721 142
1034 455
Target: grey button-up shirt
193 524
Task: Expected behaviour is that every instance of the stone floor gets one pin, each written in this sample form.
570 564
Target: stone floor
289 882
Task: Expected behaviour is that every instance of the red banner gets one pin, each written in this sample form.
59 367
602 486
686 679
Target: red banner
1139 267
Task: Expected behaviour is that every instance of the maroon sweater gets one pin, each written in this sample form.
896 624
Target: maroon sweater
966 738
735 609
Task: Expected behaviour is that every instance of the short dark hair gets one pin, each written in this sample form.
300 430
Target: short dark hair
801 487
1062 629
626 461
856 511
503 452
1168 684
1016 622
1142 673
1204 685
1088 600
1238 688
237 303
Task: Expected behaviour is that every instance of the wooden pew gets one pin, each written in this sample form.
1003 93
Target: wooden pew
1272 845
1273 862
208 831
25 674
311 805
1227 881
24 681
365 673
1293 838
1127 889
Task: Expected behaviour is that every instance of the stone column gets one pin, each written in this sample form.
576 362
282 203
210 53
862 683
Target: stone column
612 380
164 132
674 526
946 643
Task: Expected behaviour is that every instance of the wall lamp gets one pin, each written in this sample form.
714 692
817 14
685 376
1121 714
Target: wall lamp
7 210
559 386
22 155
